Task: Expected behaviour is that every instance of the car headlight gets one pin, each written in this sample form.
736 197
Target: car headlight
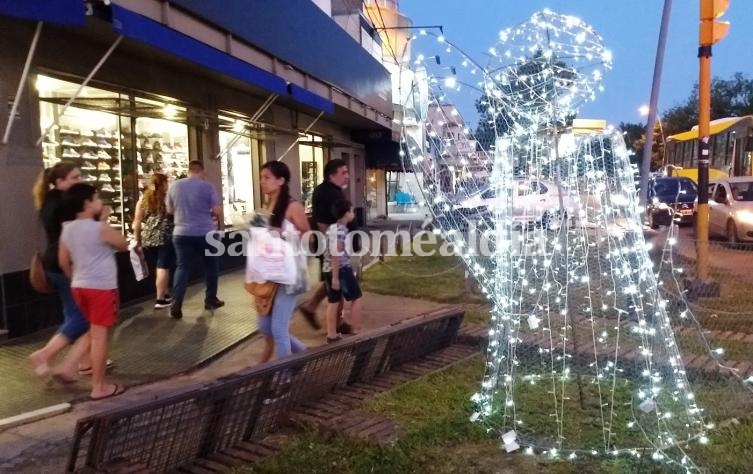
745 217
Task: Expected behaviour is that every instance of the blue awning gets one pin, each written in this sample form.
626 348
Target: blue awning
66 12
155 34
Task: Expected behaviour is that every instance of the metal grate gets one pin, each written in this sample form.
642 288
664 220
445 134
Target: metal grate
164 434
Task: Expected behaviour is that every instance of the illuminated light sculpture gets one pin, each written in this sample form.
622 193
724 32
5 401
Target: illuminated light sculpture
546 219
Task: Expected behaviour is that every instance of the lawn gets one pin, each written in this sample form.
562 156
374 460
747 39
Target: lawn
435 277
432 413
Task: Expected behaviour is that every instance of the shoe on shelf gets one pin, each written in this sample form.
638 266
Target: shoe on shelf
102 166
88 142
70 153
88 166
214 304
103 155
345 328
163 303
107 188
89 156
90 177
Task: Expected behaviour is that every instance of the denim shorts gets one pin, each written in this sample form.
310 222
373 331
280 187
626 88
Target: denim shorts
349 290
74 323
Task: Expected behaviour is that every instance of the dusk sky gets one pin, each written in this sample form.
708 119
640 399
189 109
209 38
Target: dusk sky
630 29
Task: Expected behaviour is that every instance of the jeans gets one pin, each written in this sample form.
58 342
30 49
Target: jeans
186 248
277 325
74 324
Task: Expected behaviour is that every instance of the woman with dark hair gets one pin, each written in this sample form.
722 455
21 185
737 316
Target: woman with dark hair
48 199
153 230
289 218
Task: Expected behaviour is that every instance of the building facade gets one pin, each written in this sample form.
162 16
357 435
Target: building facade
131 87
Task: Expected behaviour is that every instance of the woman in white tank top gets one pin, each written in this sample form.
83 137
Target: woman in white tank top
289 217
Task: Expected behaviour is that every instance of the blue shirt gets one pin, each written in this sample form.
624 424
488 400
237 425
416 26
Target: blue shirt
192 200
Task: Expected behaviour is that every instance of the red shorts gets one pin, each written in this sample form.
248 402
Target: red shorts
100 307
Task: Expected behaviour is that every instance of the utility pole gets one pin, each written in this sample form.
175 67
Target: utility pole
653 103
711 32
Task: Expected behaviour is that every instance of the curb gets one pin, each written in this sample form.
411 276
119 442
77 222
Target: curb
34 415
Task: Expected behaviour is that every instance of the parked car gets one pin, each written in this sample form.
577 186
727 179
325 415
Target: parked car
535 202
731 208
670 198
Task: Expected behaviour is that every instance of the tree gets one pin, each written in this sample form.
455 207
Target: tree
729 98
635 140
524 93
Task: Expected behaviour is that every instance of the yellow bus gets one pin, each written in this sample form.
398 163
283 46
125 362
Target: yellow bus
731 148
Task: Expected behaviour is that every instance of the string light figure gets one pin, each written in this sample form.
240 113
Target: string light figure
546 219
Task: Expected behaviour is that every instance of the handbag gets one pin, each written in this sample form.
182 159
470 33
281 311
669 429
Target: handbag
156 229
264 295
37 276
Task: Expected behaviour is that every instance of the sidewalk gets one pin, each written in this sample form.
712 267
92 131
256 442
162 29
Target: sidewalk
148 349
147 345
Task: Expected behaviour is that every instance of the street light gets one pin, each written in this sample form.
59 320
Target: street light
644 110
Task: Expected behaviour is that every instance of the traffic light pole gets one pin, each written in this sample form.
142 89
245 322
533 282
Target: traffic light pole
704 119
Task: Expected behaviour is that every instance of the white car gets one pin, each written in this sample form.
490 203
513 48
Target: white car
731 208
535 202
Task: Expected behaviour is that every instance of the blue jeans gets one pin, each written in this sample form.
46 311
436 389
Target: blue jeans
277 325
186 248
74 324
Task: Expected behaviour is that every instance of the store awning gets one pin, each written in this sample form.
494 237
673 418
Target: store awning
66 12
148 31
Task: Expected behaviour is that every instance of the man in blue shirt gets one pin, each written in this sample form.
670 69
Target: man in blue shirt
196 209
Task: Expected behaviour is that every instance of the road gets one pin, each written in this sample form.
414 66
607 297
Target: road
723 258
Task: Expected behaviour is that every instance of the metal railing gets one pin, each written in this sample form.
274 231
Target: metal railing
164 434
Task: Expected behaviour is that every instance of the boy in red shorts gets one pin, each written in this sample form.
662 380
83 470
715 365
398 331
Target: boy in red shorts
86 256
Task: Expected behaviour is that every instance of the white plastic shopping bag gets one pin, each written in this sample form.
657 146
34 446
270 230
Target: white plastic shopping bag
270 258
138 262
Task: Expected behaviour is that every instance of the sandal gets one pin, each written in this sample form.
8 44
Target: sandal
88 370
117 390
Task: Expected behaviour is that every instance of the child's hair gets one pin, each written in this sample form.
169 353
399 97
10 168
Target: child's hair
340 208
77 195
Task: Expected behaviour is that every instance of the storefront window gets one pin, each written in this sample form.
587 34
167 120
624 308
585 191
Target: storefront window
311 153
240 165
117 140
91 138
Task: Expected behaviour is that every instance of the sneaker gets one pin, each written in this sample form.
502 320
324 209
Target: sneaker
107 188
104 178
163 303
103 155
345 328
88 166
176 313
89 156
87 133
90 177
116 167
69 142
102 166
88 142
68 131
103 144
214 304
71 153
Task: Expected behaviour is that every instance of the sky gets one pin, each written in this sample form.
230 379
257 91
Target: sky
629 28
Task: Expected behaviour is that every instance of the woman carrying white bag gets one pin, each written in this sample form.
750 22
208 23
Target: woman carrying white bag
281 261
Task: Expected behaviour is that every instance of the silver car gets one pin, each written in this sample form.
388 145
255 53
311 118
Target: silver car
535 202
731 208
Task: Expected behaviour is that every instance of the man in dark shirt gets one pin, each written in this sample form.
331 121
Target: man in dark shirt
326 194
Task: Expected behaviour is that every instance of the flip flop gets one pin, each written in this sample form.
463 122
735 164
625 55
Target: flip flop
119 389
88 370
63 379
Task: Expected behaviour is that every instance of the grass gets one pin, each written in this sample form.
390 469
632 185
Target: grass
436 436
435 278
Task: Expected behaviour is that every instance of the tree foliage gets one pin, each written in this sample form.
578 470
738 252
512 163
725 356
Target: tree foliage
635 139
525 92
729 98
